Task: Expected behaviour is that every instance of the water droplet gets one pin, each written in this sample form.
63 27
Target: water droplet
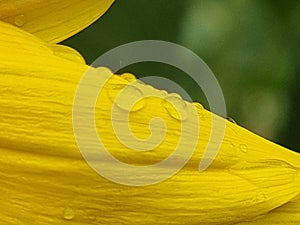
243 148
198 105
20 20
127 97
230 156
260 197
164 93
231 120
200 110
176 107
68 213
128 76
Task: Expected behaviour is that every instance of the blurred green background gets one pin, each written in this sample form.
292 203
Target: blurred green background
252 46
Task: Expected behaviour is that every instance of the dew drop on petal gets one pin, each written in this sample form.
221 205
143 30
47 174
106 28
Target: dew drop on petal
261 197
200 110
164 93
128 76
176 107
198 106
20 20
243 148
130 98
231 120
68 213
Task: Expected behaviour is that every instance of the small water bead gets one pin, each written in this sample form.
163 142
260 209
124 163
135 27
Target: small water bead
231 154
69 214
243 148
231 120
198 106
200 110
164 93
261 197
176 107
129 77
20 20
129 98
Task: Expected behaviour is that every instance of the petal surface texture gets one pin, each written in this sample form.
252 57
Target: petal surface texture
44 178
52 20
288 214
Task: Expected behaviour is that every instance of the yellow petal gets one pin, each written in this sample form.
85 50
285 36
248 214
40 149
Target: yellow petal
45 179
67 53
52 20
288 214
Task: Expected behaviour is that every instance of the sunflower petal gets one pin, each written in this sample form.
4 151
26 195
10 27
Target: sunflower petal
45 179
288 214
52 20
67 53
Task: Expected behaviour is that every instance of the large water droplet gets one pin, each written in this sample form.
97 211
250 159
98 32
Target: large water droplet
68 213
20 20
176 107
243 148
129 97
128 76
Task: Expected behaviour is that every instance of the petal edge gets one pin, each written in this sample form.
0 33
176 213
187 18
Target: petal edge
53 20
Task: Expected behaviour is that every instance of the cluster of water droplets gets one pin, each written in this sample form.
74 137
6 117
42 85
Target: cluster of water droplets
131 98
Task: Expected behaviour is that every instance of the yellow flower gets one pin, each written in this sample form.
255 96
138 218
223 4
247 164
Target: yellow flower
45 179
